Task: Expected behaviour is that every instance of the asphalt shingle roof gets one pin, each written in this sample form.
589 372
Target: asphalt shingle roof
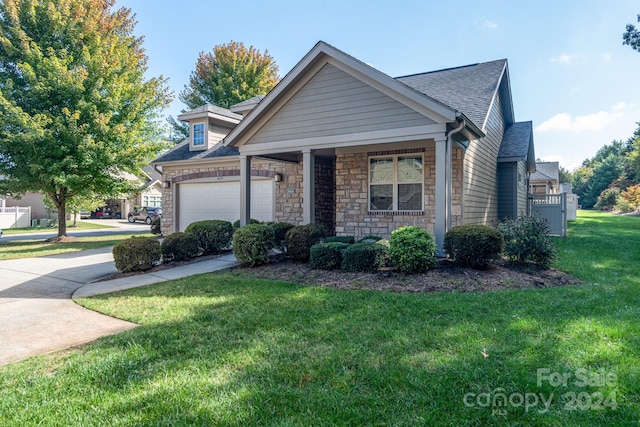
181 152
469 89
516 140
546 171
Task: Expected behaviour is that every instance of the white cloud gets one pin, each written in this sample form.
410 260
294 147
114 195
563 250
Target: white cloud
566 58
489 24
587 123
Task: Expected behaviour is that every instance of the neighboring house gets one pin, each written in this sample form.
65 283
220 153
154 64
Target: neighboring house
340 144
150 195
546 178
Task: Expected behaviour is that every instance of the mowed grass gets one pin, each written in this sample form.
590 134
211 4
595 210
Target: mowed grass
36 248
222 349
80 225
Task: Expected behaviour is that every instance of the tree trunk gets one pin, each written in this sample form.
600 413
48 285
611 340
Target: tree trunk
62 218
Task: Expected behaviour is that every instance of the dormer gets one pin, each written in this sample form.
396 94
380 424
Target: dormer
208 125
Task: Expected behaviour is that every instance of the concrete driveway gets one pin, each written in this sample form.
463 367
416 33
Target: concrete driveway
37 314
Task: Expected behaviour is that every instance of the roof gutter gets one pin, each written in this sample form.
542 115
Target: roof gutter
462 123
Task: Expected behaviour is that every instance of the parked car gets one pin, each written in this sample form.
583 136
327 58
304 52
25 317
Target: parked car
145 214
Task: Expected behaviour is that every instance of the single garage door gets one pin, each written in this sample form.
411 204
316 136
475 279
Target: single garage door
221 200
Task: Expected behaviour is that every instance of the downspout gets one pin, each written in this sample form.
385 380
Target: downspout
448 193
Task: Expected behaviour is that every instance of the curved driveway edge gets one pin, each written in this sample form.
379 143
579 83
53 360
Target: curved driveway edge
37 314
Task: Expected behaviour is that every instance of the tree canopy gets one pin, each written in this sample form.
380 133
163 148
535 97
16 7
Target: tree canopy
77 111
631 36
226 76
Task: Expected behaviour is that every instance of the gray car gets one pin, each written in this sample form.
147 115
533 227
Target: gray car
146 214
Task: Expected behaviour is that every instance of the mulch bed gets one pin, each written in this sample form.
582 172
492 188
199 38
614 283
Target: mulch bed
447 276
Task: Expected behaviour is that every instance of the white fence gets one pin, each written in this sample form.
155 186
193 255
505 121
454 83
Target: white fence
552 207
15 217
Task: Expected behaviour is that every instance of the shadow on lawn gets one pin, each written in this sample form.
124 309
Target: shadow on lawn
306 355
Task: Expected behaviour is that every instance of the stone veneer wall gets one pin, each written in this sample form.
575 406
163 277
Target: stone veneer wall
352 214
289 200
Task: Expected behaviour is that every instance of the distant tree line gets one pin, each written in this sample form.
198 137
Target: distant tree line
609 180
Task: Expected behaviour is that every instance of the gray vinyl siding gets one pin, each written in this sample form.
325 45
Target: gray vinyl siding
523 188
335 103
480 185
507 190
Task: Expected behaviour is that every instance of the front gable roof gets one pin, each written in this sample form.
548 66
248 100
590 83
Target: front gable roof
321 55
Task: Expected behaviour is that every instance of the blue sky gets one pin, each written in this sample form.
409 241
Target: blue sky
569 72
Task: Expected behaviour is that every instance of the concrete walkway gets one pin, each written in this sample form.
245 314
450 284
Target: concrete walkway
37 314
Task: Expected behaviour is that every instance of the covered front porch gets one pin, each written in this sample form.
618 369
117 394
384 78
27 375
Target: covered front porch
366 189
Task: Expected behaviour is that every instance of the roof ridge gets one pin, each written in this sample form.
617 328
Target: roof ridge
450 68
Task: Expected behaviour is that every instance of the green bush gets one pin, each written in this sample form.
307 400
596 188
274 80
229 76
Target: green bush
527 240
236 223
369 239
363 257
214 235
137 254
280 230
474 246
327 256
252 244
412 250
155 226
624 206
300 239
179 247
341 239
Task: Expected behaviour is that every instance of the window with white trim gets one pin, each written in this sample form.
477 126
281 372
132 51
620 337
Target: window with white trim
198 134
396 183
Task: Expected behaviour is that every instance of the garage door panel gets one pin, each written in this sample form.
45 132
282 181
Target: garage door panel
221 200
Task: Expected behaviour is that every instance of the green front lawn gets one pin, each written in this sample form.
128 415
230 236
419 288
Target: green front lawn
37 248
218 349
80 225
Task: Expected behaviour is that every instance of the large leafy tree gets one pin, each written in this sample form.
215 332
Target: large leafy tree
631 36
76 109
228 75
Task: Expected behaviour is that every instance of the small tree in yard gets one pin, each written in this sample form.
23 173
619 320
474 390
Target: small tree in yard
77 111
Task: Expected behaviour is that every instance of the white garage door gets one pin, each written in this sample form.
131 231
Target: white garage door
221 200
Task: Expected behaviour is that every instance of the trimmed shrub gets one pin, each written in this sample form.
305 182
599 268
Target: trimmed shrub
179 247
363 257
369 239
252 244
327 256
412 250
341 239
300 239
474 246
527 240
280 230
214 235
136 254
155 226
236 223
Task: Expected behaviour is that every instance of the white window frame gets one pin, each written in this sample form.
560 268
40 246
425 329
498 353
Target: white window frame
395 183
157 201
204 134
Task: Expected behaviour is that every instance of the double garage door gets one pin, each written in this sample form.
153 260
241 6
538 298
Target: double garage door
221 200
